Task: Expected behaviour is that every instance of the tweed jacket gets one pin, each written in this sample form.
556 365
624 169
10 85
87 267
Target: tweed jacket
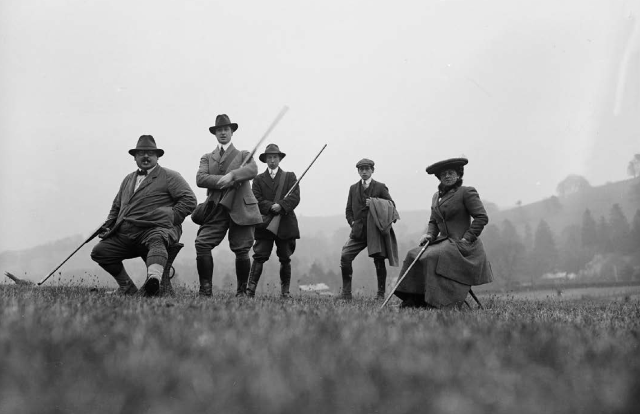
265 188
450 222
238 199
162 200
356 211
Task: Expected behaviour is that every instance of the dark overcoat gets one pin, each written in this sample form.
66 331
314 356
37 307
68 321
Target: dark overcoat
264 189
463 262
238 198
163 200
356 211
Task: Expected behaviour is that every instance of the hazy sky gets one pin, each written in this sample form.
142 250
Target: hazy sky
529 91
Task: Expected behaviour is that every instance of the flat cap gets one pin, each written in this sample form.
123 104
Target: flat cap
364 162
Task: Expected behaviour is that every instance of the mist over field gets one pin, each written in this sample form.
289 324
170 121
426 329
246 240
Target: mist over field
529 91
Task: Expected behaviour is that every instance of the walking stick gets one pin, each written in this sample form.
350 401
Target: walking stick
473 295
274 224
405 274
93 236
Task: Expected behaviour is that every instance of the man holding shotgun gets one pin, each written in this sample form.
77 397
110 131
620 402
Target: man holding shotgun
145 219
225 173
272 189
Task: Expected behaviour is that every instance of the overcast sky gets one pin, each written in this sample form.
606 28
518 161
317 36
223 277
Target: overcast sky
529 91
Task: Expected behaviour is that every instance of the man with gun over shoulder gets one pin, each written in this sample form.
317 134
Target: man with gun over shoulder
277 201
231 206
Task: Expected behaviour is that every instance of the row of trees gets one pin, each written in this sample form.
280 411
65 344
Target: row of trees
607 248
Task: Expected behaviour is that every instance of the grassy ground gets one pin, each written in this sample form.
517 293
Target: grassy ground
76 350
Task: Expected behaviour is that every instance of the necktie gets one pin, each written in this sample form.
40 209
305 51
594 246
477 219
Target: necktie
221 151
142 172
273 174
364 184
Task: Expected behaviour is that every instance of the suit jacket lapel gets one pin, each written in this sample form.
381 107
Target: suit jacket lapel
147 181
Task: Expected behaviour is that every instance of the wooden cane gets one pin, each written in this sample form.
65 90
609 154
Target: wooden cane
405 274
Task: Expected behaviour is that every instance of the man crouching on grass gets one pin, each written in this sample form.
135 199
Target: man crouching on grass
145 219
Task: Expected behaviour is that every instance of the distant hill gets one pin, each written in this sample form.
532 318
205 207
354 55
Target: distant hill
559 212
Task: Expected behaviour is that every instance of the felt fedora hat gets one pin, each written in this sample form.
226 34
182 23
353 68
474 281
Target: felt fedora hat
451 163
271 149
146 143
223 120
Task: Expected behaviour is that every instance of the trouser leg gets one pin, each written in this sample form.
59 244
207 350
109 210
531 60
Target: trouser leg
381 274
349 252
284 250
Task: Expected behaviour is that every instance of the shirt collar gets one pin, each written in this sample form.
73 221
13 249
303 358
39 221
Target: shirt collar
149 171
368 182
274 171
225 146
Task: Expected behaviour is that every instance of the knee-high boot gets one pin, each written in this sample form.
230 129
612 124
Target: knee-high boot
243 267
205 275
346 282
254 278
381 273
285 279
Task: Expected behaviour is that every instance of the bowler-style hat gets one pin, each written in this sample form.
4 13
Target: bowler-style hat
271 149
146 143
223 120
364 162
449 164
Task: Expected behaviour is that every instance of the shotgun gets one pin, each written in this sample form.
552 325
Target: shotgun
228 196
274 224
93 236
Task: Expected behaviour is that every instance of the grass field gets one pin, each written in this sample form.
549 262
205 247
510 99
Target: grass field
77 350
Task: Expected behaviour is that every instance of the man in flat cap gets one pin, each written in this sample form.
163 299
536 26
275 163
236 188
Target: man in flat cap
145 219
225 173
271 189
362 195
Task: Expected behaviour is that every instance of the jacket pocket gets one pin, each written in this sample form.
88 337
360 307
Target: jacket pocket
248 200
357 230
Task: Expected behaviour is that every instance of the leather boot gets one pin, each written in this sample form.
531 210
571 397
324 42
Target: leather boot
381 273
243 267
125 284
285 279
346 282
205 275
254 278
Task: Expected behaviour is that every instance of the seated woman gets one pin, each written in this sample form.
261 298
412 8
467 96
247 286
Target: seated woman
455 259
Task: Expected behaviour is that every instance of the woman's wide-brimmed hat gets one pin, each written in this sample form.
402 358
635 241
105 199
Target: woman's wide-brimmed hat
271 149
223 120
146 143
451 163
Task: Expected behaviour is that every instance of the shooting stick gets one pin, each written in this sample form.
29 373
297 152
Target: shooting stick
405 274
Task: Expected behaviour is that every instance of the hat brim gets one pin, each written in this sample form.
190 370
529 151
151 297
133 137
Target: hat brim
263 157
159 151
446 164
234 127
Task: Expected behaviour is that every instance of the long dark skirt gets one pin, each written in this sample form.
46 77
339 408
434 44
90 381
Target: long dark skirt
423 286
